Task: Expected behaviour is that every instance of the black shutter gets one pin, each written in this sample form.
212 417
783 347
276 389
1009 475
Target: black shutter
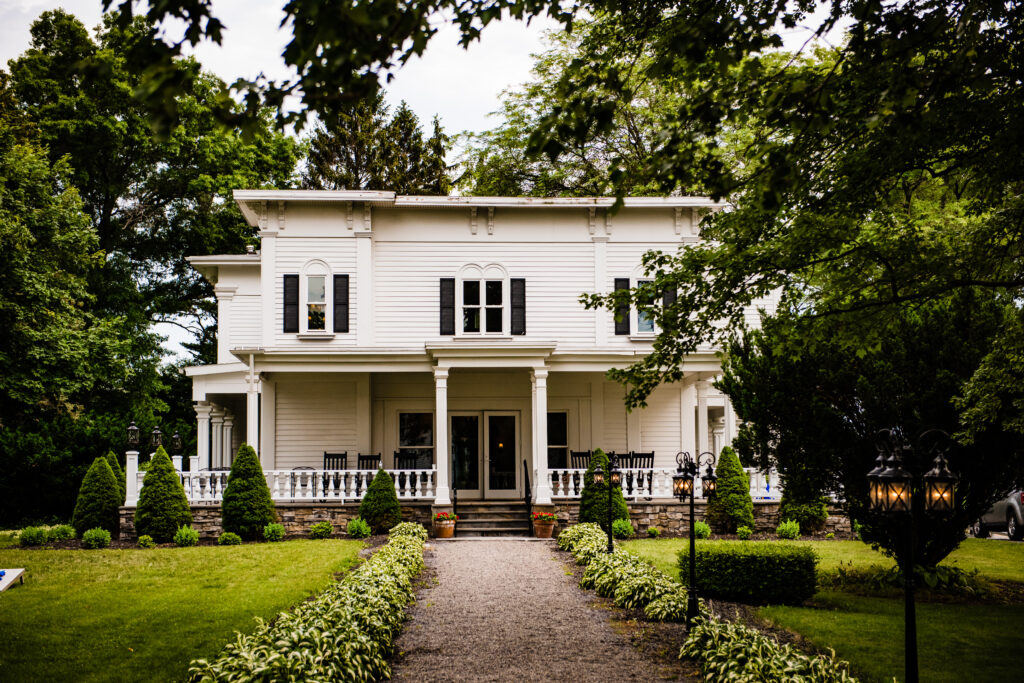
448 305
518 286
291 303
668 298
341 303
622 312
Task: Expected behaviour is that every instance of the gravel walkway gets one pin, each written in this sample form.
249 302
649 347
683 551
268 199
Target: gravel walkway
508 610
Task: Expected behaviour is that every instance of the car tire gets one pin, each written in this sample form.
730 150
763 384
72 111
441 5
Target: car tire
978 531
1013 529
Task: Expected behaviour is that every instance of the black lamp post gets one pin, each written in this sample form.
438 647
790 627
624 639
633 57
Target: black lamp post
890 490
682 486
133 437
614 479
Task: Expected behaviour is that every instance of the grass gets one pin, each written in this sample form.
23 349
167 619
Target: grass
956 641
132 615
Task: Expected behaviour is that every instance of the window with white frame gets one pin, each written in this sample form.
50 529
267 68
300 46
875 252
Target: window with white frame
415 440
644 320
482 298
315 292
638 320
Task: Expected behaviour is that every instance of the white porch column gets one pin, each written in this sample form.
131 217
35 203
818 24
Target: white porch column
252 408
688 429
226 455
131 473
216 436
731 426
703 424
442 494
203 409
542 487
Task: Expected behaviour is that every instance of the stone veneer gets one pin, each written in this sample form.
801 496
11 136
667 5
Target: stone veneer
296 517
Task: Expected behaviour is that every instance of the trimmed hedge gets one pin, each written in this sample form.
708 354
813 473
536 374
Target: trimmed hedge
163 507
344 634
99 498
380 507
247 507
753 572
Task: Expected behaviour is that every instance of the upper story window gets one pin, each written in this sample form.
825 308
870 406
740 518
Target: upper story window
314 305
639 321
644 318
483 301
315 301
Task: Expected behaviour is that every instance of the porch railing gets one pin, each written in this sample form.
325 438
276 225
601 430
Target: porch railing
656 483
302 486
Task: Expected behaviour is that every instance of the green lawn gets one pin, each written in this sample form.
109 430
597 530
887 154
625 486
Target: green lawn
959 641
134 615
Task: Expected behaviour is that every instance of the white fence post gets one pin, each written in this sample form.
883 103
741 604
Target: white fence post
131 473
176 461
193 464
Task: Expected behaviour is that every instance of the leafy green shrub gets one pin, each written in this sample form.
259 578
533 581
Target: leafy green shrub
733 652
754 573
811 515
357 528
622 528
229 538
98 499
594 497
96 538
830 535
883 581
701 530
146 542
32 535
163 507
61 532
732 505
247 507
380 507
322 529
743 533
343 634
790 529
186 536
653 531
115 467
273 532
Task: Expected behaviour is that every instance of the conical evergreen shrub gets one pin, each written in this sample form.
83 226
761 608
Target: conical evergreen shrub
247 506
97 500
380 507
118 471
163 506
594 497
732 506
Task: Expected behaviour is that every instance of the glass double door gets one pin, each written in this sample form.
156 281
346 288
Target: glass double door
485 454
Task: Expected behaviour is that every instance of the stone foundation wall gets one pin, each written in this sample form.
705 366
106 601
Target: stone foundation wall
296 517
673 518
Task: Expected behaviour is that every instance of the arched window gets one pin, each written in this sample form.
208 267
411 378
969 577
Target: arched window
482 300
315 298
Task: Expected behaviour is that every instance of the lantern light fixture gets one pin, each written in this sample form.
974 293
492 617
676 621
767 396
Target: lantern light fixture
133 437
156 438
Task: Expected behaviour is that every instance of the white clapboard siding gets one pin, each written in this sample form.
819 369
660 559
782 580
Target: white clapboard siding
293 253
407 276
660 425
246 321
614 418
314 415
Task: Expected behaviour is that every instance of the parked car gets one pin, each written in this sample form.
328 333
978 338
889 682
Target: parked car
1006 515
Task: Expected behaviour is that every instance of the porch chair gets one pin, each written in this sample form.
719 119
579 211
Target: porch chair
297 475
366 462
578 460
406 461
642 461
335 462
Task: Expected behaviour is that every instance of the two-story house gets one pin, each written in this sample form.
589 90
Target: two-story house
445 331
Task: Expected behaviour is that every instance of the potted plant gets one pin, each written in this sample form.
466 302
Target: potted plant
444 524
544 524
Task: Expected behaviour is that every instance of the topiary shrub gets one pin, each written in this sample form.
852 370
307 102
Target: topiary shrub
229 538
322 529
790 529
96 538
732 505
811 515
146 542
743 533
753 573
621 528
163 507
653 531
594 498
247 506
186 536
273 532
357 528
99 498
61 532
701 530
32 535
115 467
380 508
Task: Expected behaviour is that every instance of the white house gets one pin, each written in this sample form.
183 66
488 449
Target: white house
446 334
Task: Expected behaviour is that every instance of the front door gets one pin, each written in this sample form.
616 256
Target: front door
485 454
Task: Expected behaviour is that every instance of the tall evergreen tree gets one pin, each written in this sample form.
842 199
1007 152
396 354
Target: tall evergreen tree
732 505
594 498
162 506
98 500
247 506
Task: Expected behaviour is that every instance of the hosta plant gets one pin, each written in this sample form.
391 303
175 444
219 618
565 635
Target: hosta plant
701 530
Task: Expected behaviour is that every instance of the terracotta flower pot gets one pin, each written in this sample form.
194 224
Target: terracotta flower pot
543 529
444 529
